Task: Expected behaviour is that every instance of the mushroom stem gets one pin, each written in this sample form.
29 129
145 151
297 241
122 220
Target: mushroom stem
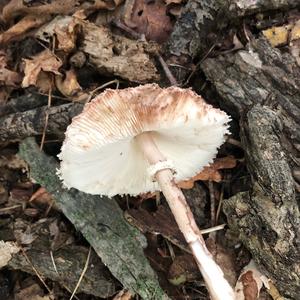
217 285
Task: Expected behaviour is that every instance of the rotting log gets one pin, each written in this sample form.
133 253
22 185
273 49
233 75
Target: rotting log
19 125
262 75
261 87
101 222
23 103
67 264
202 23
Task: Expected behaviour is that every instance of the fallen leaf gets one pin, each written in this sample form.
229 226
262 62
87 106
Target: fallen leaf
65 29
160 222
295 41
281 35
4 95
224 257
44 82
183 269
18 30
32 292
17 8
7 249
8 77
250 282
295 31
123 295
45 61
150 18
277 36
211 172
68 86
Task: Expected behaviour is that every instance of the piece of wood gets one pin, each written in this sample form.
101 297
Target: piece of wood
17 126
267 217
101 222
202 23
262 75
261 87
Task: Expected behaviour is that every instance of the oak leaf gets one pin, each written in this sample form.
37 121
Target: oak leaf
44 61
211 172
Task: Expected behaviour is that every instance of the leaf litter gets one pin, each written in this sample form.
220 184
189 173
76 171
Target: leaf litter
67 44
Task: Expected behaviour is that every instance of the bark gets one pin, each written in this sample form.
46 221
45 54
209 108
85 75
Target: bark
260 85
17 126
262 75
202 23
101 222
22 103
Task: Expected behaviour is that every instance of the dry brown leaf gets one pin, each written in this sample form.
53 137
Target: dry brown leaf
277 36
68 86
150 18
211 172
183 269
66 35
109 53
8 77
281 35
7 249
65 29
45 61
250 283
44 82
17 8
18 30
295 41
123 295
224 257
33 292
4 95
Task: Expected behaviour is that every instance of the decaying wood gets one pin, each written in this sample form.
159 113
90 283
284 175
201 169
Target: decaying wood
118 55
102 223
202 23
22 103
190 36
69 262
267 217
262 75
261 86
17 126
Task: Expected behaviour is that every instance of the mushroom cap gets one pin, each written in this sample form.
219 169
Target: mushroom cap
100 154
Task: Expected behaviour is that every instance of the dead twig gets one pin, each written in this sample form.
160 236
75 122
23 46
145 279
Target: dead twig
46 119
167 71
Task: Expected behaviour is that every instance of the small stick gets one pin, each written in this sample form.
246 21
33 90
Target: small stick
167 71
212 229
46 119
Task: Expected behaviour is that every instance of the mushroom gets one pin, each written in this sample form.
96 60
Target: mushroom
145 139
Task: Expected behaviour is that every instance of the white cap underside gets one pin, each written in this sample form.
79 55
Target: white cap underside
101 156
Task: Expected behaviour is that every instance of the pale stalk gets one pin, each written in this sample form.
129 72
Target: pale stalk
217 285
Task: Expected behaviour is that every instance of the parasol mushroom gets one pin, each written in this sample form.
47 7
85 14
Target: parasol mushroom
145 139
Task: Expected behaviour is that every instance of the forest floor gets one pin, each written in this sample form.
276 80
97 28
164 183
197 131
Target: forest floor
56 56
